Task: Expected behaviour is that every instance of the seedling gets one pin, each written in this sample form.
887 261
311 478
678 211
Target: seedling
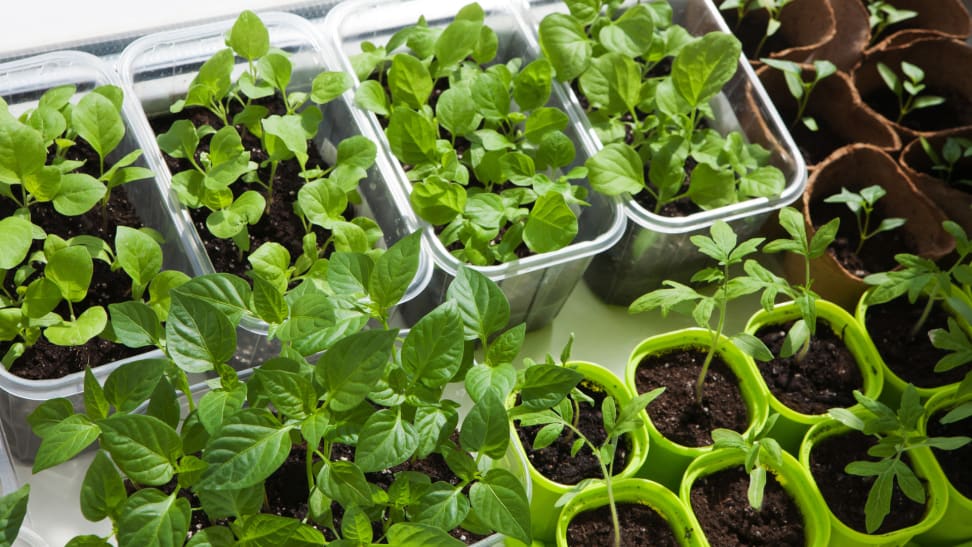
943 164
921 277
956 340
656 120
505 191
13 509
721 247
897 434
800 88
760 451
908 91
550 397
773 9
862 205
882 15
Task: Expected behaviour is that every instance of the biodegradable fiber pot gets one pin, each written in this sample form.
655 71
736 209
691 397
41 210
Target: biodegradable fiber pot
855 167
851 36
838 110
640 491
944 62
790 475
537 286
956 523
954 199
936 495
543 511
792 425
669 459
805 26
948 18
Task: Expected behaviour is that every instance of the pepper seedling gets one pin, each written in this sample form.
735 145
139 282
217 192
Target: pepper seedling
943 164
800 88
897 434
862 205
773 9
724 248
760 449
882 14
908 91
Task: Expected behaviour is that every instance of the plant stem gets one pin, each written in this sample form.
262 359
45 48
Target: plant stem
716 336
925 312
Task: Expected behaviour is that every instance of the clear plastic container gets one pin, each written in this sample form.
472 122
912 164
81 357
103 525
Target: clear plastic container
21 85
157 69
536 286
653 247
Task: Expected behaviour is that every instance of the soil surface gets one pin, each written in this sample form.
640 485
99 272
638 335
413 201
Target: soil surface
846 494
721 504
815 146
877 253
824 379
955 463
640 526
555 462
675 413
279 222
912 359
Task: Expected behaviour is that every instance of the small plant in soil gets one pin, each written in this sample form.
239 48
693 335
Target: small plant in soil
760 450
724 248
773 9
944 161
897 434
862 205
908 89
549 397
484 153
231 162
882 15
956 340
919 277
213 460
647 85
800 88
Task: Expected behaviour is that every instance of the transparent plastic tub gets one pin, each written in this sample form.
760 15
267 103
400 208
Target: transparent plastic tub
21 85
536 286
158 68
653 247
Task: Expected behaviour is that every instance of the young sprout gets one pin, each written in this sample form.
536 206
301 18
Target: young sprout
883 14
897 434
958 343
954 149
919 276
723 248
862 205
772 7
908 91
759 449
800 88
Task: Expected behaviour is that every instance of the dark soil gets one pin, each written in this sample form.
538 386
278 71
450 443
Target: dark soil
721 504
640 525
877 254
912 359
675 413
751 30
956 111
279 222
824 379
555 461
846 494
955 463
815 146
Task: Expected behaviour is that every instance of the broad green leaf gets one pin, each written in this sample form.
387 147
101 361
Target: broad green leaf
432 351
291 394
409 81
370 95
556 150
491 96
89 324
531 86
65 440
151 519
441 505
616 169
551 224
44 184
482 305
145 448
456 112
710 187
486 429
135 324
78 194
497 378
631 34
566 45
612 82
41 298
70 269
247 449
542 121
766 181
276 69
394 271
132 384
385 441
284 136
99 122
506 347
198 336
500 502
268 301
328 86
322 202
407 533
437 200
220 504
218 405
433 424
345 483
95 404
22 152
546 385
458 40
48 414
249 37
263 530
411 136
13 509
227 293
16 237
703 66
213 536
138 254
357 151
351 367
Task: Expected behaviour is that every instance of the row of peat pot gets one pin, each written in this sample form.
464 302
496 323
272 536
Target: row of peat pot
666 475
618 247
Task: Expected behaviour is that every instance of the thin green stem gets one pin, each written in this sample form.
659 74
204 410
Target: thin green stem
716 335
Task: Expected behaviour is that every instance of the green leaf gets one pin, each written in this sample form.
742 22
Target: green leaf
411 136
22 152
482 305
710 187
491 96
89 324
531 86
766 181
13 509
150 518
48 414
506 347
135 324
78 194
139 255
385 441
16 237
45 184
249 37
616 169
95 404
498 379
99 122
262 530
198 336
441 505
290 393
612 82
394 271
227 293
566 45
486 429
409 81
70 269
322 202
437 200
432 351
631 34
551 224
345 483
407 533
131 384
145 448
276 69
370 95
65 440
501 503
284 136
433 424
353 364
247 449
456 111
546 385
213 536
357 151
41 298
704 66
